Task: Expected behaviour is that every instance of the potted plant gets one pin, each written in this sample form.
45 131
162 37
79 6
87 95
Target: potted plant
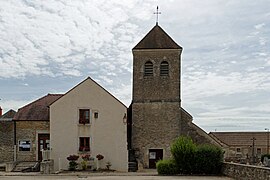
72 162
99 157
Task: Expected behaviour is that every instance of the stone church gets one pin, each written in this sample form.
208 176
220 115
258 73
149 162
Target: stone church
156 117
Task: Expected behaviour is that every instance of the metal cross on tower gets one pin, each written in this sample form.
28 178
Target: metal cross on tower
157 13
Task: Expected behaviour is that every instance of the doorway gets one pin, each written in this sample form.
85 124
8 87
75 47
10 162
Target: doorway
154 156
43 143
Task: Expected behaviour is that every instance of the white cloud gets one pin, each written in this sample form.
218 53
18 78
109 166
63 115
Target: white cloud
259 26
40 37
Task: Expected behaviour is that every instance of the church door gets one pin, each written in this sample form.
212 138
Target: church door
154 156
43 143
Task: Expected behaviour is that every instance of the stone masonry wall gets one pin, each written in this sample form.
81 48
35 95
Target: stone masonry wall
27 130
6 141
198 135
155 125
156 87
245 172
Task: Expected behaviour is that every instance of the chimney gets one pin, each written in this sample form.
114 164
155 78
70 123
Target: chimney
1 111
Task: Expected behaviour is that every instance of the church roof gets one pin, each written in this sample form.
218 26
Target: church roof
157 38
37 110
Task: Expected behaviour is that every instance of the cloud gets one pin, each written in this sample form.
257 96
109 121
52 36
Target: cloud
48 38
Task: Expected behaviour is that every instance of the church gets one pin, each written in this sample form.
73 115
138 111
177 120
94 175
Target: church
156 117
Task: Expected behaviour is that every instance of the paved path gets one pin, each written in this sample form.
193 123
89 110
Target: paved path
104 176
57 177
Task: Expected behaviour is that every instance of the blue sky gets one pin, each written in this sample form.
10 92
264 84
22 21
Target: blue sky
51 46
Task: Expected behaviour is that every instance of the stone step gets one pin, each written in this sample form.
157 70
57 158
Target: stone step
21 166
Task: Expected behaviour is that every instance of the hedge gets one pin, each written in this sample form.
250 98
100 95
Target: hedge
167 167
189 158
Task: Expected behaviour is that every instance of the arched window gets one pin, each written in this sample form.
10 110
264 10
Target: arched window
148 68
164 68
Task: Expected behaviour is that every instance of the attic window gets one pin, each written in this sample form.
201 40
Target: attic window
148 68
164 68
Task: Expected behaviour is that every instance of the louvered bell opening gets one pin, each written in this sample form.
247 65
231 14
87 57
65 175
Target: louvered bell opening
148 69
164 69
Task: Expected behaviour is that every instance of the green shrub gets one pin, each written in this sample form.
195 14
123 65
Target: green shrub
208 160
265 155
183 150
167 167
192 159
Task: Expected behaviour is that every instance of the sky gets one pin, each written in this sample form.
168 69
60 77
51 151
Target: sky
51 46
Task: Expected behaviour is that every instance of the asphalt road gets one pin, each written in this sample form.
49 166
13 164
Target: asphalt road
85 177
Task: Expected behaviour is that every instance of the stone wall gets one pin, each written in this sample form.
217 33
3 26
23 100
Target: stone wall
198 135
6 141
155 126
27 130
245 172
156 87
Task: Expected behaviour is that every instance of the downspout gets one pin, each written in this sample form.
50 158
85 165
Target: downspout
15 142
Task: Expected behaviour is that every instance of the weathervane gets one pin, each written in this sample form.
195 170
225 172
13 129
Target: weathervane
157 13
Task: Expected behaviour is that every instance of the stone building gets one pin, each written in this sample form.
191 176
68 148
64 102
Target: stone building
239 146
32 128
156 115
6 134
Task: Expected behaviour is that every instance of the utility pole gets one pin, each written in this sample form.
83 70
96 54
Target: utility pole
267 129
253 150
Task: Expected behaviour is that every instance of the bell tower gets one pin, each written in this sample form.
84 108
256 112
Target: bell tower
156 100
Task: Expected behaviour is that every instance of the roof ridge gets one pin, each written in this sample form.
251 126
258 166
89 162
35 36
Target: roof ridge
89 78
157 38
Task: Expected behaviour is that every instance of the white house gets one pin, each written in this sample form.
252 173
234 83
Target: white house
89 120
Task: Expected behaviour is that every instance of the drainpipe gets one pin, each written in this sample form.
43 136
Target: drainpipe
15 142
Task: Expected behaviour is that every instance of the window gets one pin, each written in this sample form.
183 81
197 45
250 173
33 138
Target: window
238 150
84 144
148 68
24 145
84 116
164 68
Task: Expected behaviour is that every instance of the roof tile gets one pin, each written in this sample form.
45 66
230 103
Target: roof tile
157 38
37 110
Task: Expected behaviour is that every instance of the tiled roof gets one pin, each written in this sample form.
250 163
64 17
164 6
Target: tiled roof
37 110
241 138
157 38
8 115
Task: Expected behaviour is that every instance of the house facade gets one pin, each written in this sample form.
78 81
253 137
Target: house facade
6 134
89 120
32 129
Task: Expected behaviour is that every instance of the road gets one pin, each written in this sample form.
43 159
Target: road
85 177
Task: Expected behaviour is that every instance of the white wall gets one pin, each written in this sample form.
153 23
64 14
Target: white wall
108 133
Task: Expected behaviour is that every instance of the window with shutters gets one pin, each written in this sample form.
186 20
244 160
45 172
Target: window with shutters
148 68
164 68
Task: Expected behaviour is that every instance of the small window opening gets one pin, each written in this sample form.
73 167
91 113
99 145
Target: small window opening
96 115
